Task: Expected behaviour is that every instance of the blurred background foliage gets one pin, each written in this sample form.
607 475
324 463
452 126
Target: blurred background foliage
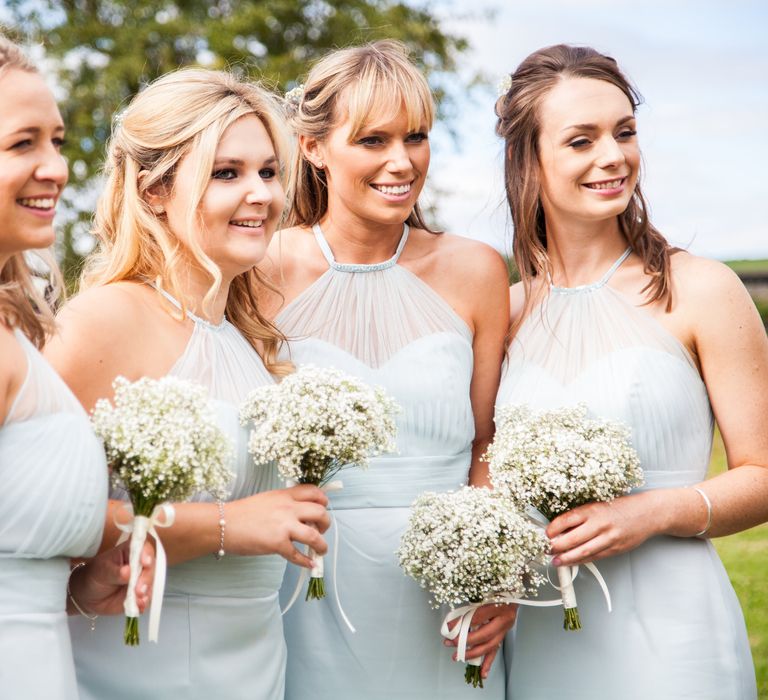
102 52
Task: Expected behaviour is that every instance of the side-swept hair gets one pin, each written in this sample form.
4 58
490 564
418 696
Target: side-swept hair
182 114
373 80
518 124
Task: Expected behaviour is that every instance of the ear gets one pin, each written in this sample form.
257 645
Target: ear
156 195
312 150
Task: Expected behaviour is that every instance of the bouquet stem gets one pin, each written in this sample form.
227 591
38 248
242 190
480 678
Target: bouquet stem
316 587
472 672
131 634
571 621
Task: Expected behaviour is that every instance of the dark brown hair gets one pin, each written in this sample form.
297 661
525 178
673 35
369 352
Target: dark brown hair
518 124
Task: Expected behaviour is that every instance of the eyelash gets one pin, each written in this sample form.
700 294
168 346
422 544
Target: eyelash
264 173
58 142
581 143
417 137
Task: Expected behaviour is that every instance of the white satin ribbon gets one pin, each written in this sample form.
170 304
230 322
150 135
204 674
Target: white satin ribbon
464 616
137 529
317 559
567 574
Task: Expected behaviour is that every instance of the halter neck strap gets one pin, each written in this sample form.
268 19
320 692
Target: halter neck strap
595 285
195 318
354 267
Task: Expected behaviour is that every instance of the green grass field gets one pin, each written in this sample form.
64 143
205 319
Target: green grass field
742 266
745 556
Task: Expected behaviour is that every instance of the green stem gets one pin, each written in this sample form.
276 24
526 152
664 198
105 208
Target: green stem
315 589
472 676
131 634
572 621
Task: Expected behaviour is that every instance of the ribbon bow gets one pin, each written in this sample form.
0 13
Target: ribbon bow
137 528
330 486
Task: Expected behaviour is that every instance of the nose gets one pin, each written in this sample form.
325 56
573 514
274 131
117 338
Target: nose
258 191
52 167
610 154
398 159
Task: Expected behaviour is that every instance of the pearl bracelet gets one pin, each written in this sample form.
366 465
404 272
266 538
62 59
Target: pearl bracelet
709 511
91 618
222 526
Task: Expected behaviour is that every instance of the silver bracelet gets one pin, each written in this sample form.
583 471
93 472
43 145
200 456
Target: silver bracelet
91 618
222 526
709 511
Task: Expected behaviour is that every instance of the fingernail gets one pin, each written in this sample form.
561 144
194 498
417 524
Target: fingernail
557 561
143 588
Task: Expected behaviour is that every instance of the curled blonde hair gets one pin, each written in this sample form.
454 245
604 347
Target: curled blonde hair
25 296
361 82
182 114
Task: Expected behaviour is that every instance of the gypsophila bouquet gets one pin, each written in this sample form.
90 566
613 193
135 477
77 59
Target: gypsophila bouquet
162 445
313 423
557 460
471 546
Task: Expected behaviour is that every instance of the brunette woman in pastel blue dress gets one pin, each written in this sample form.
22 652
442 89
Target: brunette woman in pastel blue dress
367 293
53 478
193 168
610 316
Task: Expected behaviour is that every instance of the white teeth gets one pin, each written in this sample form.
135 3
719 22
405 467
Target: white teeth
397 189
250 223
612 185
42 203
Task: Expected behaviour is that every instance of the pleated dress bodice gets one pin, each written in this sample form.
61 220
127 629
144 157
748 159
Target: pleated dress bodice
676 630
385 325
53 498
221 633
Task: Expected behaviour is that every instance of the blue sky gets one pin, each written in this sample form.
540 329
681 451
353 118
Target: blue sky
702 67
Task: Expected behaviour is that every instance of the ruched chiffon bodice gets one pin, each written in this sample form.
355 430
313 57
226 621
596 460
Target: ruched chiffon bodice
382 323
676 629
221 633
52 505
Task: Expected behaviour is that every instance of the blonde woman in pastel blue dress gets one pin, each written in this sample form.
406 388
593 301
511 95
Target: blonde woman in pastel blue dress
609 315
192 198
53 479
367 288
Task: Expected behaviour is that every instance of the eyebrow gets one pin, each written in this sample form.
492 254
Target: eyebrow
238 161
595 127
34 130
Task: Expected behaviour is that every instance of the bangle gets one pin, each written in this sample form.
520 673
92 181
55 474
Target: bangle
222 525
709 511
91 618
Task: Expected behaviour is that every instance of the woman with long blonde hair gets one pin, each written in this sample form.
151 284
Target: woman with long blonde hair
608 314
53 478
193 195
367 287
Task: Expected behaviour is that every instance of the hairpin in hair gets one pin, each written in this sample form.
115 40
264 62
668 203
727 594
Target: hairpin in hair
504 85
293 97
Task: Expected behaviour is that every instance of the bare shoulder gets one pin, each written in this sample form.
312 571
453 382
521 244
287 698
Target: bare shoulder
472 261
101 333
712 297
699 281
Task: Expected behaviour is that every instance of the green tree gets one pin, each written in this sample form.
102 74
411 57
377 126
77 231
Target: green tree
105 50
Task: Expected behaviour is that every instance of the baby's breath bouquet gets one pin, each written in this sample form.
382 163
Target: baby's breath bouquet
163 445
313 423
557 460
470 546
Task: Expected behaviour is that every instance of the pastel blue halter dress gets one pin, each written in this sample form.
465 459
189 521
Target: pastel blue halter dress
221 635
382 323
53 498
676 630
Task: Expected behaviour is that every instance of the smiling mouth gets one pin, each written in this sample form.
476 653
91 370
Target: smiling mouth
393 189
248 223
607 185
42 203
